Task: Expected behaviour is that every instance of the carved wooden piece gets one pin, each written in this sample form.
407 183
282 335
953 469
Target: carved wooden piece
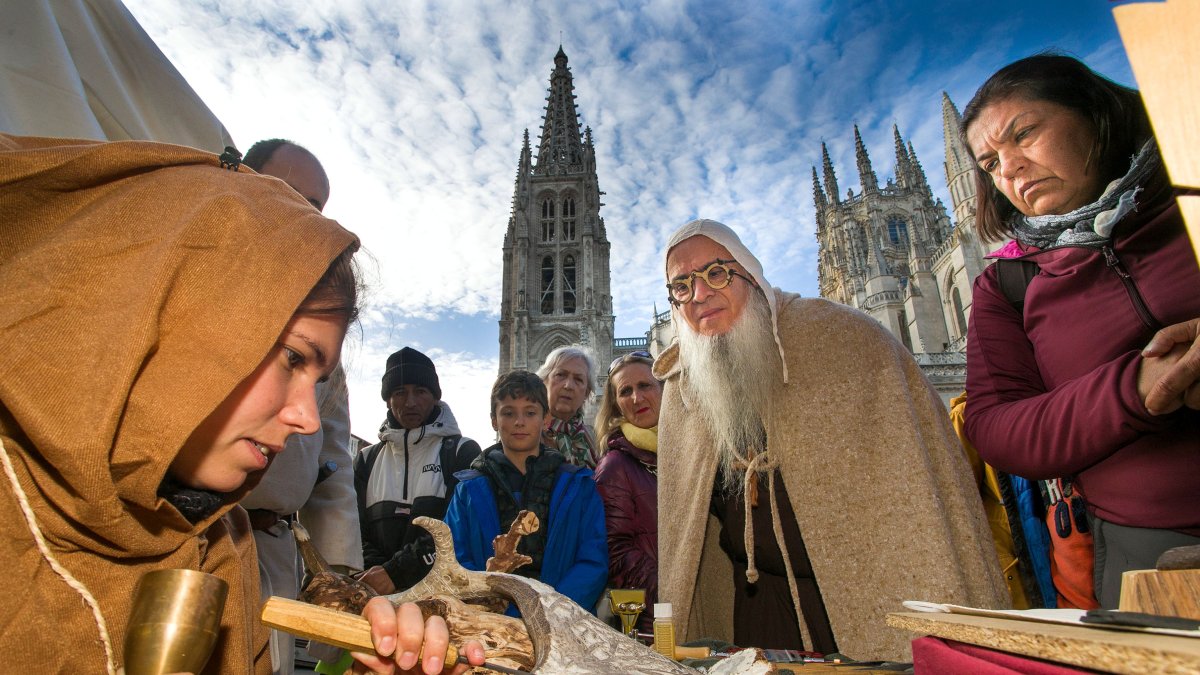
505 545
567 639
329 588
504 639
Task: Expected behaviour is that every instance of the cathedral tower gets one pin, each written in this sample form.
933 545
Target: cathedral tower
556 273
892 252
962 258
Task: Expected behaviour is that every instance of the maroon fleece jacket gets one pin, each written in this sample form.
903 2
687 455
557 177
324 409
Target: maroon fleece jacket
1052 391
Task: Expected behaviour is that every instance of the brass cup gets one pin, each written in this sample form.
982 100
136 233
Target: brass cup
627 603
175 622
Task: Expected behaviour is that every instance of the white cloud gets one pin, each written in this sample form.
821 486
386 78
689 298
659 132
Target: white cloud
417 110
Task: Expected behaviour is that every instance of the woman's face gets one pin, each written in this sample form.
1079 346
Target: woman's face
1038 154
277 400
567 386
638 394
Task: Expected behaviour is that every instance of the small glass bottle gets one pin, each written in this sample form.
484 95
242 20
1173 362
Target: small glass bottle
664 630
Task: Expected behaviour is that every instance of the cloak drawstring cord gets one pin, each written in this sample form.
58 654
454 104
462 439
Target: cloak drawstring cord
764 463
31 521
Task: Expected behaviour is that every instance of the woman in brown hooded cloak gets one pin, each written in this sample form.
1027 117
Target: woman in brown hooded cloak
164 324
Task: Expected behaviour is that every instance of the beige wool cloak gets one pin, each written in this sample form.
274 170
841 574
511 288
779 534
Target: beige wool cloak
877 480
142 283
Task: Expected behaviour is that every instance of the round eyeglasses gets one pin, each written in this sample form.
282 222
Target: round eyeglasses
718 274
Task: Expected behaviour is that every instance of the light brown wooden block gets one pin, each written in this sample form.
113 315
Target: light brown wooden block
1161 592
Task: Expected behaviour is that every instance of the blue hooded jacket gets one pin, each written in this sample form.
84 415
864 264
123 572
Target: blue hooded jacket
575 561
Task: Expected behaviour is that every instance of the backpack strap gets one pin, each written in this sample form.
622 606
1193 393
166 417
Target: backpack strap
368 458
1013 277
447 456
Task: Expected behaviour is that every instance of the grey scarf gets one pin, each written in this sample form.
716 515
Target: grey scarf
1091 225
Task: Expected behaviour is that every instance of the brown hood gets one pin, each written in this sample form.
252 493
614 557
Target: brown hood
142 283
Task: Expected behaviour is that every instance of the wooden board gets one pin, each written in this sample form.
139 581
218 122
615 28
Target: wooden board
1100 649
1162 41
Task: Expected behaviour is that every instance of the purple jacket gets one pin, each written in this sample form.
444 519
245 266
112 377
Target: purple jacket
1053 392
630 494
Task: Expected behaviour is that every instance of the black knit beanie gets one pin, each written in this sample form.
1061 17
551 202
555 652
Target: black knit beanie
409 366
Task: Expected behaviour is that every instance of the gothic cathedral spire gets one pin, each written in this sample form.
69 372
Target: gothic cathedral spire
560 149
831 186
960 171
556 268
866 174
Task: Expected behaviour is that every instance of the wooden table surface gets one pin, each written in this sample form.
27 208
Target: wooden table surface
1114 651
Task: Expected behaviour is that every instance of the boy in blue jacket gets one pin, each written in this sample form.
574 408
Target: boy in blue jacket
569 550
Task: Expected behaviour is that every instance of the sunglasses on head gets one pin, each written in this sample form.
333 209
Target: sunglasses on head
639 353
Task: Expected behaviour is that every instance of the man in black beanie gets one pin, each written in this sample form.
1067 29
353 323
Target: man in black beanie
409 473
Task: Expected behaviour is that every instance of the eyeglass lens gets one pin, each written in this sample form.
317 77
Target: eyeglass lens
716 275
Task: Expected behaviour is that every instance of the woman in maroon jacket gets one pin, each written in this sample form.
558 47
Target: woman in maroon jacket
1095 375
628 426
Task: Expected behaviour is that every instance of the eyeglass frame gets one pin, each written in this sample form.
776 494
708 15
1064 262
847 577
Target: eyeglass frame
689 280
641 353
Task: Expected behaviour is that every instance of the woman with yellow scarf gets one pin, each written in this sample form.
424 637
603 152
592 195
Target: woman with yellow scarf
628 423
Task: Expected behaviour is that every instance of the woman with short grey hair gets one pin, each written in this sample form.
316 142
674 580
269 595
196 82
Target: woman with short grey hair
570 377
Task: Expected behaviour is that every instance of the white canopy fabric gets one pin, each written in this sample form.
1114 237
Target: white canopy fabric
87 69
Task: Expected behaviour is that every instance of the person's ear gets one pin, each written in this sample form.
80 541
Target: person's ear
494 426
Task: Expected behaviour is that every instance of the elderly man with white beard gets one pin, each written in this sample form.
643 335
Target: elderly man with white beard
810 416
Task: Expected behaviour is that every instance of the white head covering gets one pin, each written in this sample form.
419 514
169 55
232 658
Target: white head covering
723 235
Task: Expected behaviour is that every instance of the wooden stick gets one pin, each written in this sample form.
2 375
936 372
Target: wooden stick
332 627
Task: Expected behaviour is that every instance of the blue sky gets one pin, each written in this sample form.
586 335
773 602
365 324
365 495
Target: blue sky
701 108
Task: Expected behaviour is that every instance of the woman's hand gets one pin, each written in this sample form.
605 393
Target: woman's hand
378 579
401 637
1169 377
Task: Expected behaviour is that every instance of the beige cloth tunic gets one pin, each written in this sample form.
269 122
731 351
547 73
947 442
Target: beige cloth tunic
876 477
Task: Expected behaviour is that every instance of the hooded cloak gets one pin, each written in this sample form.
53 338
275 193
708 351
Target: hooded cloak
877 480
143 283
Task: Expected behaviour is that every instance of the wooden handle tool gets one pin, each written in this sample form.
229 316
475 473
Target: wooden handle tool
339 629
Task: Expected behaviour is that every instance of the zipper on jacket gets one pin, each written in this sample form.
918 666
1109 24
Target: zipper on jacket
406 432
1139 304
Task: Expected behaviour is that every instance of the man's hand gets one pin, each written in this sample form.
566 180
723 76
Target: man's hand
378 579
1169 377
401 638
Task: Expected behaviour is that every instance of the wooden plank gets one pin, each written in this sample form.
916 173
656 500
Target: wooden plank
1108 650
1162 40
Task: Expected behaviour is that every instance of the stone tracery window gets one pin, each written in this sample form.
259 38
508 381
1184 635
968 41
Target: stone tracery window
547 304
960 317
568 275
897 230
548 220
904 336
568 215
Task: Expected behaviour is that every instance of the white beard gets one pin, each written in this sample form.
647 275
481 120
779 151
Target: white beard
728 379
